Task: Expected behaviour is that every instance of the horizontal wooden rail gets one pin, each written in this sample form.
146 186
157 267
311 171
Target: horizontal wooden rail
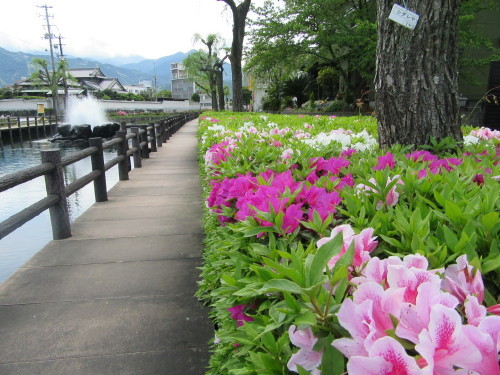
11 180
143 137
15 221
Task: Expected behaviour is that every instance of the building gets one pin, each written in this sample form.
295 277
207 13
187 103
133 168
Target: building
89 80
184 88
140 87
94 80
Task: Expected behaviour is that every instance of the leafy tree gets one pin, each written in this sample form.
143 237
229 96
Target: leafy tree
164 94
476 51
417 74
6 93
338 34
44 77
247 95
240 12
195 97
205 68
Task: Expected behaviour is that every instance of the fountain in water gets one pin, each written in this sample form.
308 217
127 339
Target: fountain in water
85 111
85 118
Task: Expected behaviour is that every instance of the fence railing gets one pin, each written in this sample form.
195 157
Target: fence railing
143 139
33 126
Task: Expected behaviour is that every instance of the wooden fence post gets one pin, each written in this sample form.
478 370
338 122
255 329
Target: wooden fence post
152 134
100 190
36 128
28 125
144 142
123 166
158 135
54 184
20 130
43 126
10 131
136 144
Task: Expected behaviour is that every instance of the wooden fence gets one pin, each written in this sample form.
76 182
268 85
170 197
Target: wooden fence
33 126
144 138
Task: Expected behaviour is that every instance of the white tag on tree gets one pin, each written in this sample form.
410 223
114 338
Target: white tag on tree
404 16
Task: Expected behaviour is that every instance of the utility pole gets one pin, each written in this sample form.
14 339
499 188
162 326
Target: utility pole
61 53
49 36
155 97
65 82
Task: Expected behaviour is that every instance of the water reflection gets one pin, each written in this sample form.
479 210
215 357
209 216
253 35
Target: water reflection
23 243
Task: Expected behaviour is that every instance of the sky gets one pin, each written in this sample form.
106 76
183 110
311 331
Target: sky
111 28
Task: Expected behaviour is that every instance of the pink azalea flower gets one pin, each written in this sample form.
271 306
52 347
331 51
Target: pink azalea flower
410 279
422 156
306 357
357 320
385 161
348 152
287 154
364 244
392 196
414 318
347 233
347 180
462 280
478 179
474 311
292 218
385 357
422 173
486 338
319 200
447 164
444 344
238 314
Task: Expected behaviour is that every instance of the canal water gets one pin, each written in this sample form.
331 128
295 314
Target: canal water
23 243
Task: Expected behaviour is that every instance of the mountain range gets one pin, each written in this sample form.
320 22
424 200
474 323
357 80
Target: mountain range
16 65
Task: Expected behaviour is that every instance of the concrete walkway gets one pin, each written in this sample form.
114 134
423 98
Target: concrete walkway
117 297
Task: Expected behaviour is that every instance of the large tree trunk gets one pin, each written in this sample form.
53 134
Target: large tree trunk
416 79
239 16
220 89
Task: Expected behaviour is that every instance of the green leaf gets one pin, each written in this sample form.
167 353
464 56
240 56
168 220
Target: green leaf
332 361
490 220
453 212
490 265
305 320
255 231
322 256
281 285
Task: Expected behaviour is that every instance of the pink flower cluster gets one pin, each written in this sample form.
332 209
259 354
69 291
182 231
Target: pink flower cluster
392 197
364 244
306 357
246 195
280 193
486 134
422 312
220 152
432 163
238 313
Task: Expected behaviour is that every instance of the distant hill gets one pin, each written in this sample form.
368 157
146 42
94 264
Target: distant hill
154 67
16 65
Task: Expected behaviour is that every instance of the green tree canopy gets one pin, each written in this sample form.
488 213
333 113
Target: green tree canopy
339 34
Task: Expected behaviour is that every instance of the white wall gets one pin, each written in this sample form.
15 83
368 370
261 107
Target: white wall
111 105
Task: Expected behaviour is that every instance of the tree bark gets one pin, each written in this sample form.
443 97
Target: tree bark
239 16
416 79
